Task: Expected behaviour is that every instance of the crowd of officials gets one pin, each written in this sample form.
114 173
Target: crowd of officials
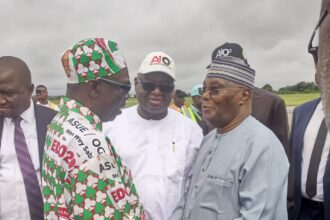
226 156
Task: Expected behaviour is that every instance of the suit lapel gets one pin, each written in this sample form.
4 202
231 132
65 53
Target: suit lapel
41 124
305 116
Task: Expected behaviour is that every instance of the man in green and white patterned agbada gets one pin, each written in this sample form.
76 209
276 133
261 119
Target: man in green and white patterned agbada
83 177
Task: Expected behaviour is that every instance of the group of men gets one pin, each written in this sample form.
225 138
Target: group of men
92 160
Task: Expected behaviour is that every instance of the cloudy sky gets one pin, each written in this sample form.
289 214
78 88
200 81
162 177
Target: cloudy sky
274 34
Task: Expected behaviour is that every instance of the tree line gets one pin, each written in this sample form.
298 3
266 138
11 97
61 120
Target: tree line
301 87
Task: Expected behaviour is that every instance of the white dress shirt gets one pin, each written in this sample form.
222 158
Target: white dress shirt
13 200
160 154
309 141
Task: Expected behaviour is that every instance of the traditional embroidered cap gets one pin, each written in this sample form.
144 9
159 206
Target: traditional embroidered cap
91 59
196 90
228 49
232 69
158 62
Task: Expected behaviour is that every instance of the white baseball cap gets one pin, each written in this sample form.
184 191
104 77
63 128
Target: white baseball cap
158 62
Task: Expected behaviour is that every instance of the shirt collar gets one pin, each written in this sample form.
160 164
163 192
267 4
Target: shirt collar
27 116
67 104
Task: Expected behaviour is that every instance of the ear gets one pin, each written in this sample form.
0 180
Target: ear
317 78
94 88
246 95
135 81
31 89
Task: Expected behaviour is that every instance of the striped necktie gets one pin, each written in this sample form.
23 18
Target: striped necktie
31 184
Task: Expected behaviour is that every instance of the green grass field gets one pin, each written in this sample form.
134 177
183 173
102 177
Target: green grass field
297 99
289 99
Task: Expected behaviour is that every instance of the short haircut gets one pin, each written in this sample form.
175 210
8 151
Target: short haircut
41 86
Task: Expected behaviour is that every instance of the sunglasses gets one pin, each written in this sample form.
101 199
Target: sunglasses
124 87
313 49
149 87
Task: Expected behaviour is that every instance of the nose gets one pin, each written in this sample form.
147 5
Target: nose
3 100
205 95
156 91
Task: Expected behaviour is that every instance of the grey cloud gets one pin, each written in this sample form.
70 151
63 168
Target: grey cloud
274 34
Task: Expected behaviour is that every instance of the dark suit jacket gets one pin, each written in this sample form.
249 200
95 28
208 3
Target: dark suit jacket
300 119
270 109
43 117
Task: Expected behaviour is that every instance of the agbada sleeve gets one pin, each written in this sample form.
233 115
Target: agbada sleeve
101 189
263 182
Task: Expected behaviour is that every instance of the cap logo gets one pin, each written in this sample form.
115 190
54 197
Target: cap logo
160 60
223 52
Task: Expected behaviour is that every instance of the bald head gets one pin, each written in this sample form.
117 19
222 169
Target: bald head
15 86
16 66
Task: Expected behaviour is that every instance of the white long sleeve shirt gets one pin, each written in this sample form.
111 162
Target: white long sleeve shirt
160 154
309 141
13 199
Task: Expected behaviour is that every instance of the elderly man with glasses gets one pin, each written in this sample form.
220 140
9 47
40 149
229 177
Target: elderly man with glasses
309 180
83 176
159 144
241 169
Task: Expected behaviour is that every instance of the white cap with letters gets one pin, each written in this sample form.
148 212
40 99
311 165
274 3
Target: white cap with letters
158 62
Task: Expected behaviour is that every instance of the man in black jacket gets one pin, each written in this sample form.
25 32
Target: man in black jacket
23 127
309 179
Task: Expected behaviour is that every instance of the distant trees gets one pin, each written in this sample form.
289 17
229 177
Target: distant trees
268 88
301 87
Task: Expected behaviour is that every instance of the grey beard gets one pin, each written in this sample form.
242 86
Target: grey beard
325 96
323 69
324 86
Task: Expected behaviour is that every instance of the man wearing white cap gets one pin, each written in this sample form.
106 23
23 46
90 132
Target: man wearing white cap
157 143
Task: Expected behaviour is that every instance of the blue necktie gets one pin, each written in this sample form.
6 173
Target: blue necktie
32 188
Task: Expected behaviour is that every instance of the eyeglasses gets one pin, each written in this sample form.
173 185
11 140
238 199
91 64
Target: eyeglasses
124 87
313 49
149 87
215 90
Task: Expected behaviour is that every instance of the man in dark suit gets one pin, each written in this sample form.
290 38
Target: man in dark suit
309 180
23 127
269 109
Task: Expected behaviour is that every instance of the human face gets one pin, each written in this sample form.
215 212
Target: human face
154 103
312 49
42 94
197 101
220 101
112 95
15 93
178 101
323 65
